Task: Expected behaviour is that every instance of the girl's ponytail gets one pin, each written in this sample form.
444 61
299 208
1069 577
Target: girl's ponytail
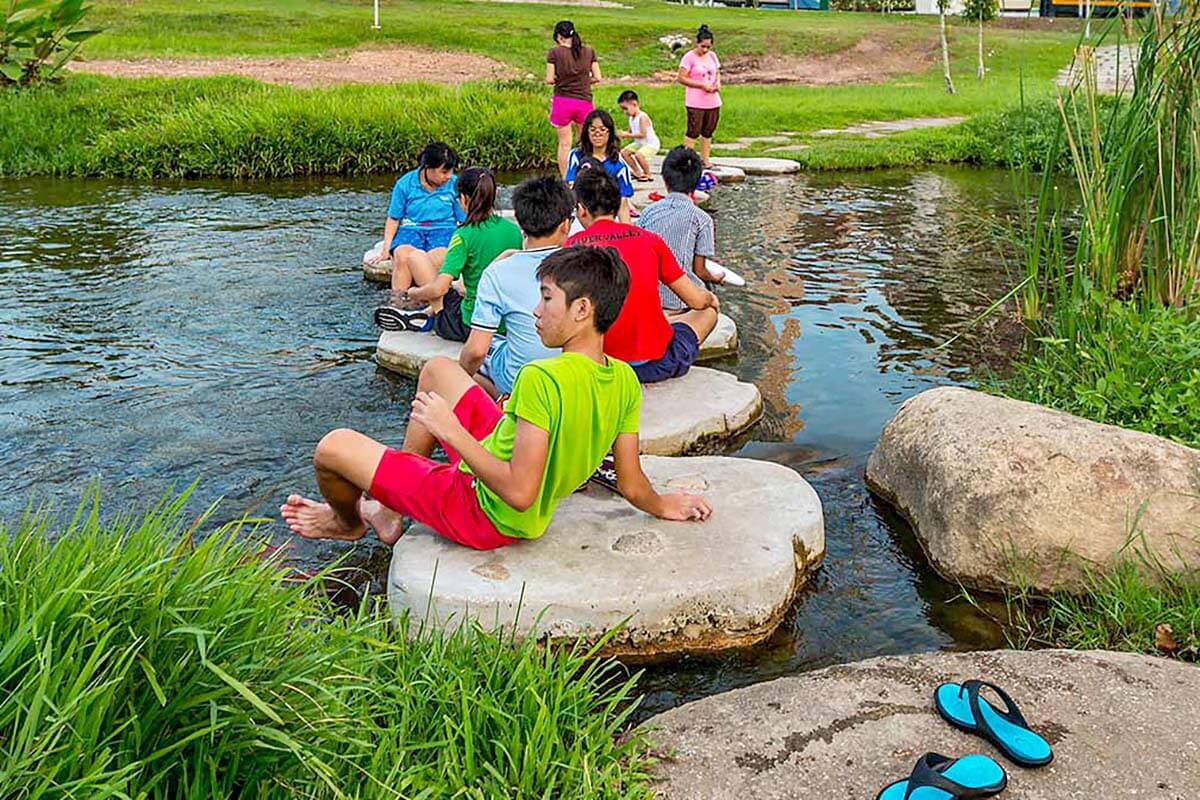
566 30
478 185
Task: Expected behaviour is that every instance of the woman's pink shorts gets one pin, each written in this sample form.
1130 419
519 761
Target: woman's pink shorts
565 110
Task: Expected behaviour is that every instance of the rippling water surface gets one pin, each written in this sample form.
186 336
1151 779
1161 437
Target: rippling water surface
153 335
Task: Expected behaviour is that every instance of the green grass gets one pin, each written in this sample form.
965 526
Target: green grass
1112 290
1120 610
516 34
228 127
136 664
1136 368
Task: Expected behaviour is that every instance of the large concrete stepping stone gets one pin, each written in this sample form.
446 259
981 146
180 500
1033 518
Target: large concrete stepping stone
704 407
1004 493
407 352
725 172
686 587
641 198
760 165
1121 726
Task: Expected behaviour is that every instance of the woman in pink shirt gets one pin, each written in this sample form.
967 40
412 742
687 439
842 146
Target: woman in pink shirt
700 72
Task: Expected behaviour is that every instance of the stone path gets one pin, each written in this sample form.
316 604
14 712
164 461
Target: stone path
685 587
881 128
1121 725
1114 69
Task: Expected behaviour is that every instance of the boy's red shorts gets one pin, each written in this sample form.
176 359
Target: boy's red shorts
441 495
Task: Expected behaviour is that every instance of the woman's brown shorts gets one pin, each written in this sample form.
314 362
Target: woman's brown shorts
702 122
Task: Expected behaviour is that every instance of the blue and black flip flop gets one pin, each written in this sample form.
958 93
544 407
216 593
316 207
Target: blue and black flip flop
937 777
962 707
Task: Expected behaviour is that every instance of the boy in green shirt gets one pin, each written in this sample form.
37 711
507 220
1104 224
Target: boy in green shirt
509 467
475 244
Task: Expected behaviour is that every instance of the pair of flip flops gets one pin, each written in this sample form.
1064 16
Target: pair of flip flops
938 777
394 318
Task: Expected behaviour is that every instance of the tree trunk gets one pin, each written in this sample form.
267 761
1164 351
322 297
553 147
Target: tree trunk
945 51
979 66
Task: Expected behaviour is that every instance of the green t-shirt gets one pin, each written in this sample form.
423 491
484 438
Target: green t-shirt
473 247
583 406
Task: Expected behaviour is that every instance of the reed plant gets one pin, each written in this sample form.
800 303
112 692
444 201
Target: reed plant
1111 290
136 661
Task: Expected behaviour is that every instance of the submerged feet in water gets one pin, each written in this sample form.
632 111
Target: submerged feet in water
314 520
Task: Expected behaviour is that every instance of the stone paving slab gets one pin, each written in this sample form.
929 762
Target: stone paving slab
1121 726
759 166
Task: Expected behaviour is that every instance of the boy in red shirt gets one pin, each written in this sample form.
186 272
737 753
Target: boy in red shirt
656 348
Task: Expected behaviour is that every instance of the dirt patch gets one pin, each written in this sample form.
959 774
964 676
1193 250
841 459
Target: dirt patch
870 60
374 65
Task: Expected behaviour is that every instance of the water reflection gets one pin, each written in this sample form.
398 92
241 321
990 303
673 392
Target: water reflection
154 335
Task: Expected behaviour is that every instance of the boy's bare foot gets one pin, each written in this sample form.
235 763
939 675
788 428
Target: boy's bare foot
388 525
314 520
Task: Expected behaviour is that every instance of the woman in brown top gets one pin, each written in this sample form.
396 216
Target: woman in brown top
571 68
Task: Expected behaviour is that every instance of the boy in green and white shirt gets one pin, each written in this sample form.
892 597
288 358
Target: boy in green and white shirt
508 468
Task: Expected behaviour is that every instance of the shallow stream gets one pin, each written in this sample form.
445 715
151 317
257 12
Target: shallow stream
153 335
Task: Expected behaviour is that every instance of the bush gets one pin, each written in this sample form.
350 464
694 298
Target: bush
1136 368
39 37
134 664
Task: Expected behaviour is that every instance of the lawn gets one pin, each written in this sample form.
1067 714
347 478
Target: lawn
227 127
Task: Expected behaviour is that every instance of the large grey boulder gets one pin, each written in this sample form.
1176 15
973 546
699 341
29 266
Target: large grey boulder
1121 726
685 587
1004 493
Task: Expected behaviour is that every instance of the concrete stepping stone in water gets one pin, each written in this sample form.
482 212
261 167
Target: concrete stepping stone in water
686 587
407 352
682 415
641 199
1121 725
726 173
759 166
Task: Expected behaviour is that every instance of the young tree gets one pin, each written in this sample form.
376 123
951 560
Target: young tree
943 5
981 11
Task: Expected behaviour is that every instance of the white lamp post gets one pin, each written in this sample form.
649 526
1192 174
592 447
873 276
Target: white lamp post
376 25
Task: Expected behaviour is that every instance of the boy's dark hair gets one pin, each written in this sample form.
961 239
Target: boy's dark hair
612 150
681 169
541 204
588 162
479 187
437 154
597 273
598 192
627 96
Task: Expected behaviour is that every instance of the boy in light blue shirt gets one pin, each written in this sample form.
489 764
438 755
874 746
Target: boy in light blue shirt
504 335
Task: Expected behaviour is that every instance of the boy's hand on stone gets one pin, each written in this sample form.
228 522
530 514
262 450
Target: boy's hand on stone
431 410
685 506
714 302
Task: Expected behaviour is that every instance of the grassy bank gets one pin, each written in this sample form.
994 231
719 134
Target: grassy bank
135 664
1112 295
236 127
239 127
1118 611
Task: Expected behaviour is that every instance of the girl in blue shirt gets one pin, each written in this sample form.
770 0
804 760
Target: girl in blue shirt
600 141
423 213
